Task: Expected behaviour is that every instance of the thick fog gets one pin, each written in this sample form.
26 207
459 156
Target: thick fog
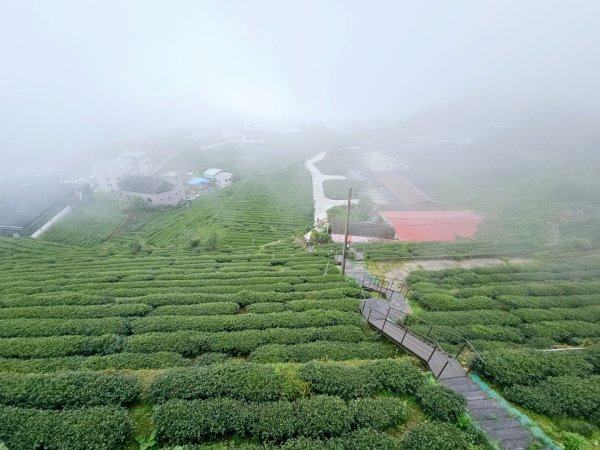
77 76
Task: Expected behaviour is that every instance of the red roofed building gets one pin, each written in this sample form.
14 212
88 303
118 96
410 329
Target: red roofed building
432 225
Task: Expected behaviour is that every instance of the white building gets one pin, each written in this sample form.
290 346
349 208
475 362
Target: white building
154 191
223 179
112 172
211 173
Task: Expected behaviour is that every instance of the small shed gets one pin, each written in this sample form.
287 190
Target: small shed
223 179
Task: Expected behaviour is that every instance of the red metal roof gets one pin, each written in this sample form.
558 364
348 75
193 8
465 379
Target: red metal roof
432 225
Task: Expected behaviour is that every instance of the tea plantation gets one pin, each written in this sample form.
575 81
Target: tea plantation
536 325
155 339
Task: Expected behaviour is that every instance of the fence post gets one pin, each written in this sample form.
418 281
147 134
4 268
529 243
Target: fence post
461 349
431 356
443 368
405 331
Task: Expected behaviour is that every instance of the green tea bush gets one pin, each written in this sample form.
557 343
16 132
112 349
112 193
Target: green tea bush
46 347
529 367
561 396
345 382
440 402
250 382
287 319
187 422
57 327
99 428
336 351
75 312
378 413
435 435
190 343
202 309
399 376
68 389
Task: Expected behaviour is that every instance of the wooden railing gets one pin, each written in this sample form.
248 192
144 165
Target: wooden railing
398 319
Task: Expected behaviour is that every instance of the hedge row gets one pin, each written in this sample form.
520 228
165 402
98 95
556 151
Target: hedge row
336 351
187 422
158 360
287 319
60 327
342 304
75 312
480 317
561 396
68 389
189 343
100 428
364 380
202 309
529 367
48 347
250 382
259 383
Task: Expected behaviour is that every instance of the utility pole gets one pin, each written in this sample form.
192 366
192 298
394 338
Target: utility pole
346 233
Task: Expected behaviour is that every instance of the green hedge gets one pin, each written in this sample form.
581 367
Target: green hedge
68 389
47 347
435 435
529 367
158 360
565 396
440 402
58 327
250 382
190 343
337 351
397 376
75 312
188 422
202 309
287 319
100 428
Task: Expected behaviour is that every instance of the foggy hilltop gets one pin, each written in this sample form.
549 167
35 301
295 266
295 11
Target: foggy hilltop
260 224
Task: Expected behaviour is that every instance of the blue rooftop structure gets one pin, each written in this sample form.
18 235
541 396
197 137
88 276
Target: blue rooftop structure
198 181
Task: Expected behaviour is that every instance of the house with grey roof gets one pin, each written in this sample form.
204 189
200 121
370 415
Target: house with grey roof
154 191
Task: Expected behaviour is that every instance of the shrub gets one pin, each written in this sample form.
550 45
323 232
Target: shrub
188 422
68 389
440 402
346 382
529 367
101 428
157 360
337 351
58 327
251 382
435 435
378 413
41 347
399 376
561 396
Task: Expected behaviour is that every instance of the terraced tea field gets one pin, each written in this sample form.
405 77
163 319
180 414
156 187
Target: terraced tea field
97 349
537 327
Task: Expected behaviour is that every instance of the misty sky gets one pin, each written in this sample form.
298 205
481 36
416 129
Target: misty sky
76 74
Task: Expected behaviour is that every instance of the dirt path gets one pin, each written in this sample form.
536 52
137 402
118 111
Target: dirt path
400 270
